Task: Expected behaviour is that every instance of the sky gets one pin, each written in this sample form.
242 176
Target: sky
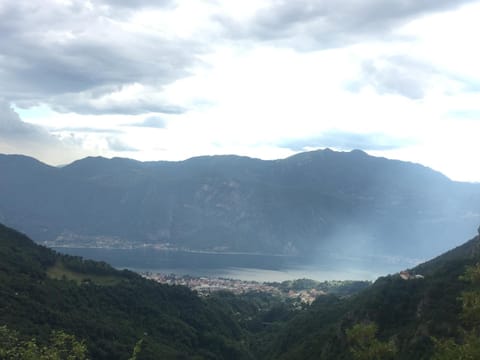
169 80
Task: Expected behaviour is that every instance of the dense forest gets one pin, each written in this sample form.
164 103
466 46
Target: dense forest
57 304
108 309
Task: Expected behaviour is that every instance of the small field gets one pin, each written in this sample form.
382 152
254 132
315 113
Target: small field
60 272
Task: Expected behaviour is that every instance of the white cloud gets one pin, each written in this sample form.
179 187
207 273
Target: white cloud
179 79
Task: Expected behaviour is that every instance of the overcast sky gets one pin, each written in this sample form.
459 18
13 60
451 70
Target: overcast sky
168 80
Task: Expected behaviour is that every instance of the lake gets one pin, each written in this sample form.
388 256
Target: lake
252 267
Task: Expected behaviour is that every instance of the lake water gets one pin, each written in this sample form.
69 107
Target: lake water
244 266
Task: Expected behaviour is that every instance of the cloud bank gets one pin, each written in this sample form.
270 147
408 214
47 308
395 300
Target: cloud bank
172 79
84 57
18 137
312 25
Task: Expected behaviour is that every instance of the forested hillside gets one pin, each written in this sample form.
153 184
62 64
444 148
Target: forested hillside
411 315
42 291
48 296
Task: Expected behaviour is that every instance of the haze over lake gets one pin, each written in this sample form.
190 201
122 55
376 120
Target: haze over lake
253 267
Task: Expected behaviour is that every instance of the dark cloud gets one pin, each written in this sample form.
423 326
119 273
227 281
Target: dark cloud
347 141
11 126
90 103
152 122
17 137
73 55
67 54
313 24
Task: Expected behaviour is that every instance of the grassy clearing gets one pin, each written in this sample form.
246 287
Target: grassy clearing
60 272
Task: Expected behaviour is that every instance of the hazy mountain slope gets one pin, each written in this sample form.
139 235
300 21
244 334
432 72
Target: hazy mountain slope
109 309
321 201
410 312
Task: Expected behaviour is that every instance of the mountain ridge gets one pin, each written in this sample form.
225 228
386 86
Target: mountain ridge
313 202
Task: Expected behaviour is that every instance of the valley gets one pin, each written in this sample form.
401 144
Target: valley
239 180
240 258
110 312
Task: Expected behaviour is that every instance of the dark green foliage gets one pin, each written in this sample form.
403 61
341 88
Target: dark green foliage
308 333
408 314
60 346
20 256
449 349
435 317
173 321
467 347
365 346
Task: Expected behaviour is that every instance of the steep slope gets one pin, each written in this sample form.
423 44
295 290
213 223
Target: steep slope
111 310
410 312
312 203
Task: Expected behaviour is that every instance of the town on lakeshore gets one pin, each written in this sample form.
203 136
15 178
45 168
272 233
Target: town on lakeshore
301 290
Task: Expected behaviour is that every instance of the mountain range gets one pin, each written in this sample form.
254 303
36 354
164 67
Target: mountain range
314 203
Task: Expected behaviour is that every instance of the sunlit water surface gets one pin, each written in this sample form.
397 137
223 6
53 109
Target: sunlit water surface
252 267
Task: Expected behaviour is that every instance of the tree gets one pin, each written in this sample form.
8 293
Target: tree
468 347
61 346
365 346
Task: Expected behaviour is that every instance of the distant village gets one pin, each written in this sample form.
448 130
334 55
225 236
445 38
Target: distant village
405 275
205 286
306 294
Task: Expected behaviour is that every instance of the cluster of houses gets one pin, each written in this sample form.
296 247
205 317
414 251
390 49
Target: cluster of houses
405 275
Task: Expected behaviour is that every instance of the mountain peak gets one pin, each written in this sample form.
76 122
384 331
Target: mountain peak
242 204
